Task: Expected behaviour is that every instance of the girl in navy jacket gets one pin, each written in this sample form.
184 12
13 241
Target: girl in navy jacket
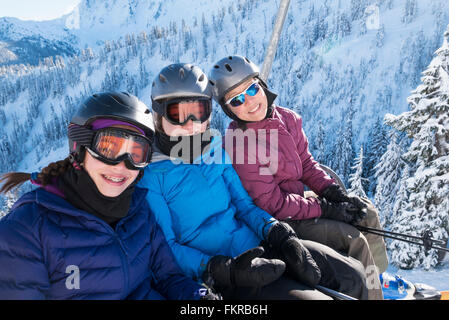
87 232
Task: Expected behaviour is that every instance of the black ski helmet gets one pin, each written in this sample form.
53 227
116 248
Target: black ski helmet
120 106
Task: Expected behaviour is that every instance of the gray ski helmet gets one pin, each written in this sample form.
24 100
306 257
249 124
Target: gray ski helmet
179 80
229 73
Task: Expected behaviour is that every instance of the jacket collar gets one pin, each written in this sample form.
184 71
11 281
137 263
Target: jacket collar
267 123
56 203
209 155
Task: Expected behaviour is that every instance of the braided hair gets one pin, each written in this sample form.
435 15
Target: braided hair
16 179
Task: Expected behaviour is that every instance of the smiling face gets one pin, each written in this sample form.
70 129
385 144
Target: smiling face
254 109
110 180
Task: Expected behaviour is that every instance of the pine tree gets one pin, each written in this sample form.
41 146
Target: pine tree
388 178
356 178
401 195
319 154
410 11
8 201
380 36
343 152
375 148
427 124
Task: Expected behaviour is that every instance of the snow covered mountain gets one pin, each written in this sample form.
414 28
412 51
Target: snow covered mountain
90 24
27 42
98 20
342 65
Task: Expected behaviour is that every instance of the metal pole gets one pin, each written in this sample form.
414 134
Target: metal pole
400 236
334 294
272 46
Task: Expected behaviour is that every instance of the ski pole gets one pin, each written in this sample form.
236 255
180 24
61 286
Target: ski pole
334 294
427 241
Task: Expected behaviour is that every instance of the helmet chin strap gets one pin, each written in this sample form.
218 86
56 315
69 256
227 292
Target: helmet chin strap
75 158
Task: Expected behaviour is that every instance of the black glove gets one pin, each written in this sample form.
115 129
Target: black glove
334 193
245 270
300 263
342 211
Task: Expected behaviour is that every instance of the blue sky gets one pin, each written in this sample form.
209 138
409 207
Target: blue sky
36 9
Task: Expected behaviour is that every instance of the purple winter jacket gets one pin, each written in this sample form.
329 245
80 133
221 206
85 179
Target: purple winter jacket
277 184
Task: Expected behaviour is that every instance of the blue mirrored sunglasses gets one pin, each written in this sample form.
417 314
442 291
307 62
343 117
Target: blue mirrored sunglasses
239 99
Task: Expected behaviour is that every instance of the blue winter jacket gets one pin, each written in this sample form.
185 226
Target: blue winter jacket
52 250
203 208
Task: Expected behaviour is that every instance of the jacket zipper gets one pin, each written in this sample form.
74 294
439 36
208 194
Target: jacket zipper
124 258
123 255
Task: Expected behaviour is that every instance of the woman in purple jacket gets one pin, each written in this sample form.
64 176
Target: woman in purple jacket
269 151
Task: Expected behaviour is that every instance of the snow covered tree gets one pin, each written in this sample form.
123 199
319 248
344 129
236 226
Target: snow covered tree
8 201
319 153
427 124
388 176
358 9
410 11
356 178
401 195
380 36
374 149
343 151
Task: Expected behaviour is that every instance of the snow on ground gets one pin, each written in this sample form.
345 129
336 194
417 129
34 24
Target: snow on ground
437 278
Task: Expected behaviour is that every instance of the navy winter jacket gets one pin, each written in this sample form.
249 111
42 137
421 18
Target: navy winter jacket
52 250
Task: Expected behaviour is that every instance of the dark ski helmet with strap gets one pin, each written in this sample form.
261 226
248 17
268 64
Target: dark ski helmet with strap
120 106
115 105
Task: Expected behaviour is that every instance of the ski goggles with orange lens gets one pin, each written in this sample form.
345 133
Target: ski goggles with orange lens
113 145
179 111
239 99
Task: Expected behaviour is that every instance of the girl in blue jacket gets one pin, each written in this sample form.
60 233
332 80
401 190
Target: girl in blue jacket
216 232
88 232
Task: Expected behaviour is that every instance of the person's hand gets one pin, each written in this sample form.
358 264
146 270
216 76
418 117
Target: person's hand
208 294
300 263
246 270
342 211
334 193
